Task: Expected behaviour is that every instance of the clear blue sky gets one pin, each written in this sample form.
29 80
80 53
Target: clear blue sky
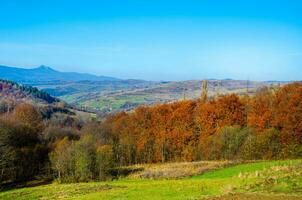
156 39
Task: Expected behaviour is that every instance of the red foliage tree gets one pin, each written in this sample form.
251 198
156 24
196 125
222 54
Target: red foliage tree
225 111
288 113
260 113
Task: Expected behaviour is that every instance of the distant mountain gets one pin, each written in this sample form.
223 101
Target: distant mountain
44 74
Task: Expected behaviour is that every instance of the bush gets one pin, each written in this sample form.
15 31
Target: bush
291 151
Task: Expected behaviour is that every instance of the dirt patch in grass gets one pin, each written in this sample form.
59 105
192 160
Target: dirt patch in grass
255 197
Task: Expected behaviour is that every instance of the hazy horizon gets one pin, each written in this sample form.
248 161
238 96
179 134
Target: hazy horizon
170 40
213 78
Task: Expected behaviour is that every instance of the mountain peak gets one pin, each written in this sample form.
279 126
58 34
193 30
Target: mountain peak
45 68
46 74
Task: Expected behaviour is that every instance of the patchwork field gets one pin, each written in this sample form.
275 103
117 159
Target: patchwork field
110 96
217 181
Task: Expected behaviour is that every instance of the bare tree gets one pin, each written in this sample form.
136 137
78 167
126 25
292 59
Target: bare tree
204 91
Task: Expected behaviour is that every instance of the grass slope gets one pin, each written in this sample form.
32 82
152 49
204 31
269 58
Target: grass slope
269 179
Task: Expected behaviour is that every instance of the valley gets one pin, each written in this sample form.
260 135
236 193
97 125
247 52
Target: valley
106 94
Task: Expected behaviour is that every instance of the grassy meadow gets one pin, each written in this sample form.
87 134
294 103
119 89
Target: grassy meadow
216 181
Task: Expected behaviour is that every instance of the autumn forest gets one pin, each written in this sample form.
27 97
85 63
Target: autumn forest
265 126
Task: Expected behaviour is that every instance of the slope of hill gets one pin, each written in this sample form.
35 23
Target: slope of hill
10 90
260 180
12 93
44 74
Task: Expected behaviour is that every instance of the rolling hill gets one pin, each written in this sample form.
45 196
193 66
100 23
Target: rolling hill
108 94
125 94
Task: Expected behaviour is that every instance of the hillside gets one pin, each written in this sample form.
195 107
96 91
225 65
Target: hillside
12 94
10 90
261 180
158 152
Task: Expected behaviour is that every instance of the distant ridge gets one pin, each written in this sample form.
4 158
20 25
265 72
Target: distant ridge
44 74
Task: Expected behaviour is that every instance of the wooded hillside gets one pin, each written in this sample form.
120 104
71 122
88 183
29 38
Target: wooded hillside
265 126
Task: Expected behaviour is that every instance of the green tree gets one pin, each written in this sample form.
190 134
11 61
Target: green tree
85 158
231 139
63 160
105 161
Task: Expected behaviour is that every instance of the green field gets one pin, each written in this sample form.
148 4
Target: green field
128 94
116 102
260 180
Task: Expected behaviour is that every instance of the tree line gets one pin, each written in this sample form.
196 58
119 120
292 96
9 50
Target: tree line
267 125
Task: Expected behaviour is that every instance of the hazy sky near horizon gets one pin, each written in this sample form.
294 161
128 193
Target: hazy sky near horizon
156 40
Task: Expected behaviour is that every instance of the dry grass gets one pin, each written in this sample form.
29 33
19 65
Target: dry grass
175 170
285 179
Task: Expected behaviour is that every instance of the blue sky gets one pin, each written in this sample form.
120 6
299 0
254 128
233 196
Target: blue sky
156 40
